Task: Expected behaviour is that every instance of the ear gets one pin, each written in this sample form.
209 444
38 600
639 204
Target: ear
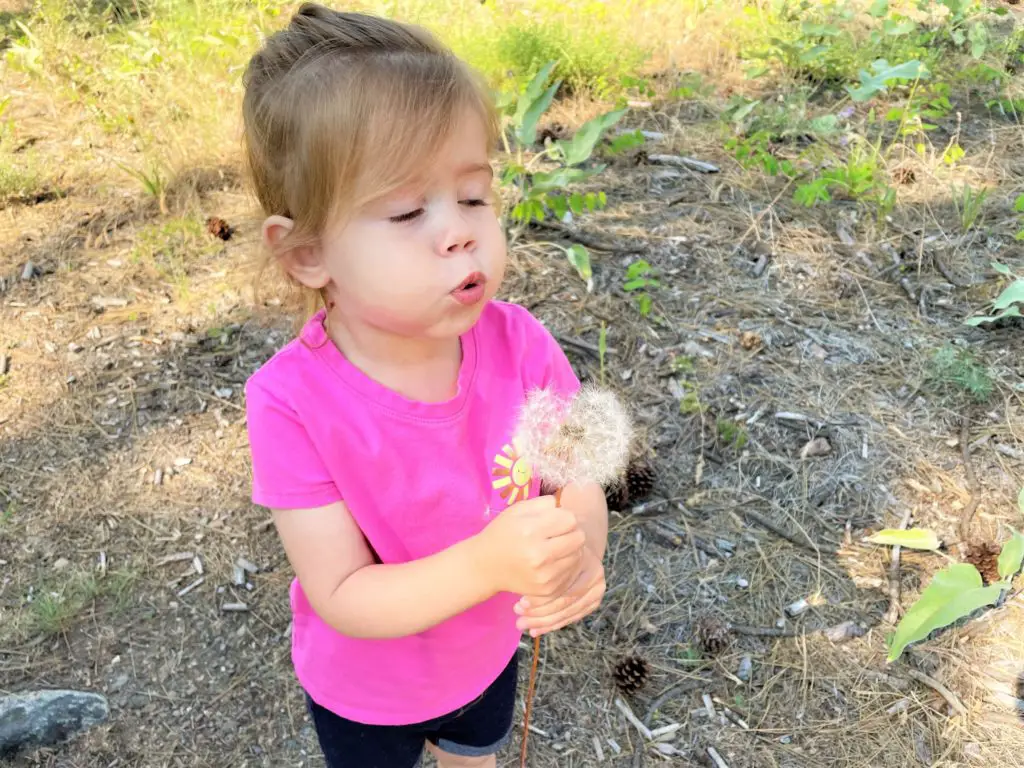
303 263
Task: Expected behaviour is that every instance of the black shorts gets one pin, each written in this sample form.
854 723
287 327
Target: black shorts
480 728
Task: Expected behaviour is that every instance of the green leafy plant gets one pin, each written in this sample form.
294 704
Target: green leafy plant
640 276
539 178
955 592
883 76
1009 302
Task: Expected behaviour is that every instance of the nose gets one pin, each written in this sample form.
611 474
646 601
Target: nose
457 234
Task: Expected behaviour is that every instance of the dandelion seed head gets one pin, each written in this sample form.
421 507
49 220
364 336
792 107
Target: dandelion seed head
581 439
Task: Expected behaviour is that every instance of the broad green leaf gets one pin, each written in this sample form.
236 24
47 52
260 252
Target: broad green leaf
1011 557
1013 294
895 28
978 35
819 30
954 592
976 321
746 109
579 257
1002 269
579 148
560 178
637 269
915 538
879 8
878 81
534 89
526 131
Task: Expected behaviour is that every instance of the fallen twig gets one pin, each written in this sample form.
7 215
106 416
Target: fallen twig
777 529
741 629
893 614
642 729
584 346
679 161
939 688
584 239
972 480
717 758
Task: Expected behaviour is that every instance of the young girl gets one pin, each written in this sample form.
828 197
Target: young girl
381 436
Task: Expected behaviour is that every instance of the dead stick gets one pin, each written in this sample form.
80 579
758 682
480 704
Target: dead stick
895 583
972 480
939 688
531 688
777 529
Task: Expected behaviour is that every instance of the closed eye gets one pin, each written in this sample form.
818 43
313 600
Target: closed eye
403 217
474 203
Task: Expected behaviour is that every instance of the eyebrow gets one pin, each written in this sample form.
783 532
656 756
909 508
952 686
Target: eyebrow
471 168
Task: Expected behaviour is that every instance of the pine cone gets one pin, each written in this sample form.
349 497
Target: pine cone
631 674
640 479
711 635
984 557
617 496
217 227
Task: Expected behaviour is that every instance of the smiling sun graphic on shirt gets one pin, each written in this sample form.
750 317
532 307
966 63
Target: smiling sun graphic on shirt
512 475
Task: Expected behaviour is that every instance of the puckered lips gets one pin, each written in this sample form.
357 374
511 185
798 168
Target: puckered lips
470 290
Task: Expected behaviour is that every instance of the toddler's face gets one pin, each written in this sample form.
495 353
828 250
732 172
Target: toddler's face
423 261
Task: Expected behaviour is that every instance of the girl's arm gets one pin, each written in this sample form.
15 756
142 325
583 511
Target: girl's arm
531 546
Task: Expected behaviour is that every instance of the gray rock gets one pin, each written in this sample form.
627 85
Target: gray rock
44 718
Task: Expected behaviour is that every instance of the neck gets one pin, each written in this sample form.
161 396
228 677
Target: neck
422 369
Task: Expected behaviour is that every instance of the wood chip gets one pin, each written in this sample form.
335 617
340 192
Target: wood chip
709 706
190 587
177 557
247 565
197 564
238 576
598 750
234 607
5 364
109 302
819 446
623 707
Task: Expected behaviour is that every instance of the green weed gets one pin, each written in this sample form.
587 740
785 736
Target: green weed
731 434
969 204
54 608
171 246
955 370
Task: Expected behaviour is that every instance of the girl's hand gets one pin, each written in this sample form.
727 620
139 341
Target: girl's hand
541 615
532 548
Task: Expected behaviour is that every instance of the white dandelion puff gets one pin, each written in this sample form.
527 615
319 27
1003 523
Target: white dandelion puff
581 439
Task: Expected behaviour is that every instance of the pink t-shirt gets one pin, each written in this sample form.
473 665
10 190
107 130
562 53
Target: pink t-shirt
417 478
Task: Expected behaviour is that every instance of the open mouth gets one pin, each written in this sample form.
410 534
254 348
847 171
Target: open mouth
470 290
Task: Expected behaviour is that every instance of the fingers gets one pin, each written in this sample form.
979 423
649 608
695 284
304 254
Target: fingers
568 544
576 610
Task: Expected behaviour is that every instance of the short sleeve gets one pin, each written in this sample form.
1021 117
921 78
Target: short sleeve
287 470
550 368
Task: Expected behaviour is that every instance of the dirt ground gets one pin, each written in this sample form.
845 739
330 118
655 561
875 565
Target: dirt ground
784 383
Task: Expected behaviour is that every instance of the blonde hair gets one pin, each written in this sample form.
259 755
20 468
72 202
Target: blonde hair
342 108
